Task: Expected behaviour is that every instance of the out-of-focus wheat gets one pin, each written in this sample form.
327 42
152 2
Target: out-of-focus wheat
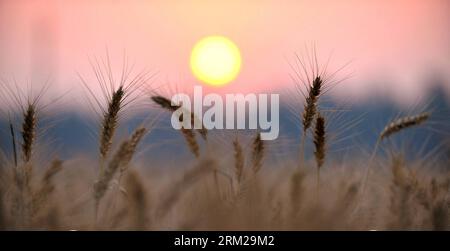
238 160
403 123
257 153
188 134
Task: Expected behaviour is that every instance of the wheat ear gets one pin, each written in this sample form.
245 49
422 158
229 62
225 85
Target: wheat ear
28 132
28 139
120 159
133 142
238 160
310 109
164 103
110 121
257 153
319 143
311 103
138 200
403 123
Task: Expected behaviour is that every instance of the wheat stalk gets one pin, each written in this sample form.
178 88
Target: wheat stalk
403 123
131 147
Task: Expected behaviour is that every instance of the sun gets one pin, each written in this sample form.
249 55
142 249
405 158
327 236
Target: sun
215 60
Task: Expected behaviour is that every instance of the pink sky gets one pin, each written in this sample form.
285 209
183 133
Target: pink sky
393 42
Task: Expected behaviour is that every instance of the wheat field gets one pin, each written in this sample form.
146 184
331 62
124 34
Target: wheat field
209 192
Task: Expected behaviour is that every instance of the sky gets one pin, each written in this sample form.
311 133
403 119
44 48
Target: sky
392 46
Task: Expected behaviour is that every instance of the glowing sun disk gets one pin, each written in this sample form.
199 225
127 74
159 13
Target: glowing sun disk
215 60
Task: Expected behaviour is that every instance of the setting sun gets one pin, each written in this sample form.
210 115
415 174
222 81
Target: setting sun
215 60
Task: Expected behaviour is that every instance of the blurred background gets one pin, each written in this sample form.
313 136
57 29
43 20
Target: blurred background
396 52
397 45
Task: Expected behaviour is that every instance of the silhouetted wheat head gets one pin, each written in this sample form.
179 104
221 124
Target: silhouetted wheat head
110 120
164 103
310 107
319 140
28 131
